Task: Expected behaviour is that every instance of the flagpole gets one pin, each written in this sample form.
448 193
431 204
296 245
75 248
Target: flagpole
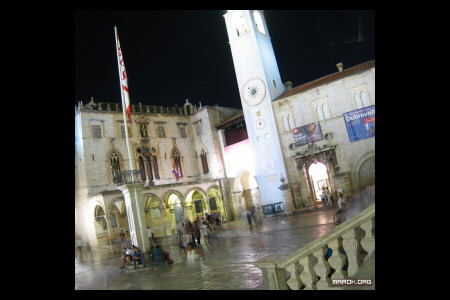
130 158
135 196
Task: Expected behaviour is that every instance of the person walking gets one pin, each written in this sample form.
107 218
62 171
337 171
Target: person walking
197 232
249 218
253 213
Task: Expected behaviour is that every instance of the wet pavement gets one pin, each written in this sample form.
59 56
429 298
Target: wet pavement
227 265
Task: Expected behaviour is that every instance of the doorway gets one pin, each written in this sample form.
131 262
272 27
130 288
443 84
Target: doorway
319 179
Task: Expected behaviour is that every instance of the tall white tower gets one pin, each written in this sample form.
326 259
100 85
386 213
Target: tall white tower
259 82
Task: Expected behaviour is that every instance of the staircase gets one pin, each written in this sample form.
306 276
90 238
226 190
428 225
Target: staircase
309 269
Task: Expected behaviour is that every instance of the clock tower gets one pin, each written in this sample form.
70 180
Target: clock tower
259 83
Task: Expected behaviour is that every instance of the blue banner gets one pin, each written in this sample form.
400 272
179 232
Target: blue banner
360 123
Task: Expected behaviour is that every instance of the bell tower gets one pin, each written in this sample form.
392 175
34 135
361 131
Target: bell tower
259 83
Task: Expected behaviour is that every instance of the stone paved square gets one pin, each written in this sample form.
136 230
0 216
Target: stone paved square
226 266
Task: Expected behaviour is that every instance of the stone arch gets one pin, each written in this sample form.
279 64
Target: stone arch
155 214
246 191
215 192
100 225
190 202
170 211
148 197
367 160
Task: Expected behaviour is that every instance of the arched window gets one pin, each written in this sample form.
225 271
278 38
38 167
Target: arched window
155 166
115 165
326 111
142 168
365 100
285 123
204 162
358 101
319 111
291 122
177 163
148 166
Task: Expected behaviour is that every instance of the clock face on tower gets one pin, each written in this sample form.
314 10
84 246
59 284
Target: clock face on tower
254 91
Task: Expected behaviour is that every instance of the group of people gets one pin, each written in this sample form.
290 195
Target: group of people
132 255
191 232
327 197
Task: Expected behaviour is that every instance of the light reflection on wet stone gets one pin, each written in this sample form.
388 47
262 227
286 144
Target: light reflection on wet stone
226 267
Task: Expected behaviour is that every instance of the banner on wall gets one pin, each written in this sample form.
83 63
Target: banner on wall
307 134
360 123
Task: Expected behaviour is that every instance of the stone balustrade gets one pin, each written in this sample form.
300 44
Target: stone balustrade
309 269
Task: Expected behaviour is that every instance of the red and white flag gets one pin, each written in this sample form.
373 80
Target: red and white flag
123 78
175 172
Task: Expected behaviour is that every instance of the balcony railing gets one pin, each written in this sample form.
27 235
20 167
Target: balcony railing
129 176
309 267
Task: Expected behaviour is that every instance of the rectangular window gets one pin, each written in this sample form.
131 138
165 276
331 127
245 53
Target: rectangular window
96 131
161 133
182 129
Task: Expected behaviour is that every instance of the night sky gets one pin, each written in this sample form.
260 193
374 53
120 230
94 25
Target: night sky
174 55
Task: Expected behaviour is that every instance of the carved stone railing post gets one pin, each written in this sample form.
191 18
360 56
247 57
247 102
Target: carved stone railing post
274 278
308 276
368 242
352 249
337 260
322 269
294 282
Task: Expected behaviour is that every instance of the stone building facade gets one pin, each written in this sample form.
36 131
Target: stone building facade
162 139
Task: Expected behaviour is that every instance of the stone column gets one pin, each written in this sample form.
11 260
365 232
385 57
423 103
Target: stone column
137 223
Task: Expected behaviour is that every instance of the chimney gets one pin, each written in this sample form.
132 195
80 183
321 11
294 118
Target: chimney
288 85
340 66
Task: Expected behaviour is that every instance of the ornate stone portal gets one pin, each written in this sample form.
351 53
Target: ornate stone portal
313 154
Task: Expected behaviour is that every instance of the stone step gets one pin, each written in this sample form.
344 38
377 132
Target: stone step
130 268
